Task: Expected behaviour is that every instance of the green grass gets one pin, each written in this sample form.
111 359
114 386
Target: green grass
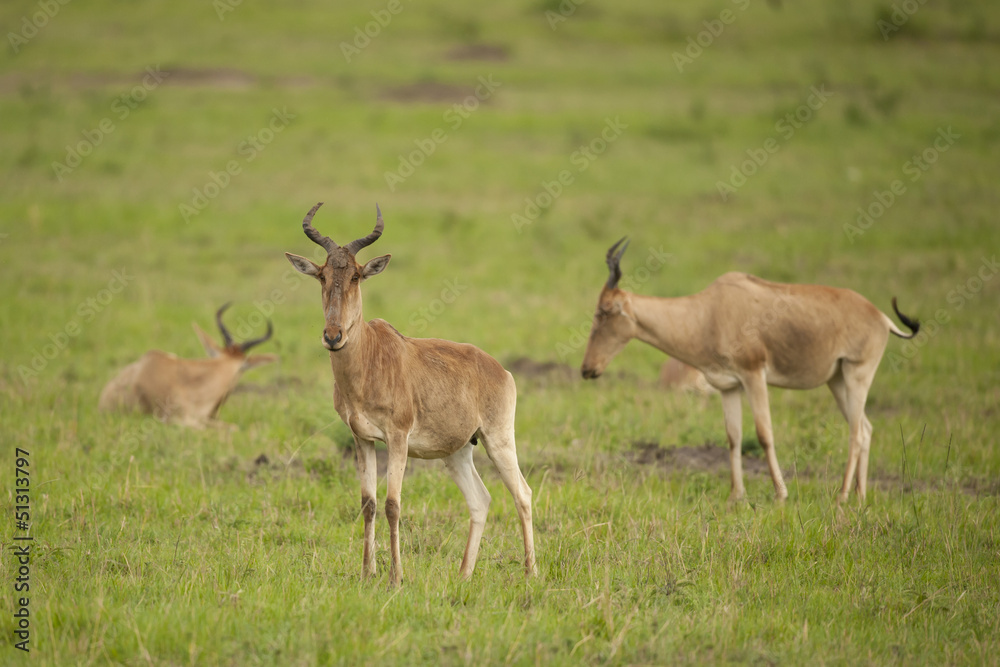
158 545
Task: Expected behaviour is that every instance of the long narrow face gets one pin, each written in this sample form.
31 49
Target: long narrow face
613 327
340 281
614 324
340 284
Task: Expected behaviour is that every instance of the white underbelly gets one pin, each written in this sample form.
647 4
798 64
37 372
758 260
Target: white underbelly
421 443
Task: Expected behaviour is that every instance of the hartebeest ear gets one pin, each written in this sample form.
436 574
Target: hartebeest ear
211 349
255 360
303 265
375 266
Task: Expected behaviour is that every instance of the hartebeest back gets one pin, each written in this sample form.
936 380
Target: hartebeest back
188 391
425 398
745 333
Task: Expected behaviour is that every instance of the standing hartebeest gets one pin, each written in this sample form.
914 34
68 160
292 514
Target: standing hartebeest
188 391
422 397
744 334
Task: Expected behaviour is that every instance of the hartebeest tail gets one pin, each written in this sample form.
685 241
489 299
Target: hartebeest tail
425 398
188 391
744 333
912 325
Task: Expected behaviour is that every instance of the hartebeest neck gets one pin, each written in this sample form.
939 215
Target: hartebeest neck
355 365
674 325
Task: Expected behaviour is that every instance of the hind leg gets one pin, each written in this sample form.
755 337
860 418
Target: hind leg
396 444
503 452
463 471
849 387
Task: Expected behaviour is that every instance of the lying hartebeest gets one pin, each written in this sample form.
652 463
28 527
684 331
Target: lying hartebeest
745 333
188 391
676 375
425 398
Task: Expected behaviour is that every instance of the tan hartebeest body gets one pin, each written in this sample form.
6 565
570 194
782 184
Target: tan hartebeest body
745 333
425 398
187 391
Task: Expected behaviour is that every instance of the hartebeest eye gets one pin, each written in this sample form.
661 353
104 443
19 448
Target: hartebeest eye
356 277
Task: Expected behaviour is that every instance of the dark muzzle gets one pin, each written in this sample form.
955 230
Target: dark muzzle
331 343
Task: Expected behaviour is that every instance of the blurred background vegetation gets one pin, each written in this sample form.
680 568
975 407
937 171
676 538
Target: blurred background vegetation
179 144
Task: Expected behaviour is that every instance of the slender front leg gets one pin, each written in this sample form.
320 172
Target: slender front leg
463 471
732 411
364 459
397 447
756 386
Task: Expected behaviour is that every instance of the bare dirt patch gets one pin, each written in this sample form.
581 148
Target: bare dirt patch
426 91
709 457
213 77
971 486
525 367
488 52
216 77
263 469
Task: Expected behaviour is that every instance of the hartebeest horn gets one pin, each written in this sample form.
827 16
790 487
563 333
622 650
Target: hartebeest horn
246 345
613 259
325 241
354 246
227 340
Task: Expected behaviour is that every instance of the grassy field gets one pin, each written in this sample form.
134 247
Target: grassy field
156 160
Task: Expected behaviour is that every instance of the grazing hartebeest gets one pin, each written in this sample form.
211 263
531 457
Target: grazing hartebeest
422 397
744 334
188 391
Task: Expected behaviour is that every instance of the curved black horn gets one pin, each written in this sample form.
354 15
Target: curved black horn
354 246
613 259
227 340
311 232
246 345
